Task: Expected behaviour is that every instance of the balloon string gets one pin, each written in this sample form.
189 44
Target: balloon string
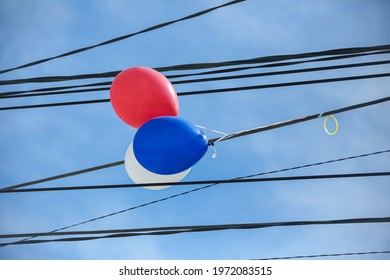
213 130
214 155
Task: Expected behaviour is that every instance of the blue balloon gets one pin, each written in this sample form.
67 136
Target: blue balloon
168 145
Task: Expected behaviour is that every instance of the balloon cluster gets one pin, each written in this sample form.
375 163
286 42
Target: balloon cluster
165 146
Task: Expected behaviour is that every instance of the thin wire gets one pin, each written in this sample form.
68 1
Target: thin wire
203 228
272 61
210 91
158 26
203 188
326 255
61 90
190 183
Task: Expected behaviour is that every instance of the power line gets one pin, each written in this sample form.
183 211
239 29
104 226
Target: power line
277 64
203 188
273 61
17 94
190 183
298 120
45 92
82 171
158 26
278 58
56 104
62 78
274 73
69 174
202 227
299 83
326 255
65 90
191 229
210 91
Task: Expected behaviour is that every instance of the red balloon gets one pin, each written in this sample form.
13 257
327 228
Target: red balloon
140 94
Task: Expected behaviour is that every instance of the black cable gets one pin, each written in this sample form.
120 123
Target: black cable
334 54
276 64
274 73
69 174
62 78
209 91
326 255
298 120
300 83
41 90
82 171
190 183
203 228
203 188
276 58
56 104
8 95
158 26
60 90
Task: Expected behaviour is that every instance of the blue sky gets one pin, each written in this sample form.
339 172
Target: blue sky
38 143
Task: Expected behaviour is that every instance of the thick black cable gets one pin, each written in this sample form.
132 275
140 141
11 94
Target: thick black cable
201 227
60 90
158 26
203 188
56 104
266 59
276 64
104 166
210 91
18 95
298 120
69 174
326 255
190 183
62 78
276 58
235 135
205 228
275 73
300 83
53 89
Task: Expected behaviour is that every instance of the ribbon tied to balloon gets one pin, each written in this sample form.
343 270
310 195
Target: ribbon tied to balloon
165 146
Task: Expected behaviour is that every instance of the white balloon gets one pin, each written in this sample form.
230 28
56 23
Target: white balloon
140 175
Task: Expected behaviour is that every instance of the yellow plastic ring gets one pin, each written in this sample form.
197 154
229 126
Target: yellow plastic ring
335 122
